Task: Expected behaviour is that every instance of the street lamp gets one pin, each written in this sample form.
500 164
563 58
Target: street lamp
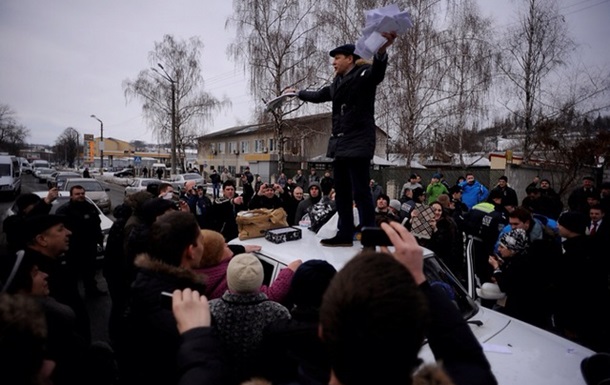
101 142
166 76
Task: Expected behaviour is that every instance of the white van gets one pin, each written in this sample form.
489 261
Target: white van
26 167
10 175
40 163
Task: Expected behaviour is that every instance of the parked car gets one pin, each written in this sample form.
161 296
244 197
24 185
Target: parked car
125 173
94 190
43 173
64 196
519 353
178 180
139 184
59 178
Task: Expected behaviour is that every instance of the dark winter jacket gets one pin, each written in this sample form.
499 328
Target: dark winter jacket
148 347
353 109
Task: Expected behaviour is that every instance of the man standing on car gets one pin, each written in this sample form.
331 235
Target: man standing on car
83 220
352 142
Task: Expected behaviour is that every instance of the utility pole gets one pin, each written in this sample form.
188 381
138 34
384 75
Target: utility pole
101 143
172 82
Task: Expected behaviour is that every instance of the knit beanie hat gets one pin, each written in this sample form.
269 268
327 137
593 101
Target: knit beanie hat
395 204
213 248
573 221
515 240
245 274
310 281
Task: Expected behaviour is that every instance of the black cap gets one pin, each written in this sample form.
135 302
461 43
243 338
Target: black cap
574 221
38 224
345 49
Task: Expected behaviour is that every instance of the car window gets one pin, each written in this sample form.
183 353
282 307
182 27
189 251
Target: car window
5 169
147 182
191 177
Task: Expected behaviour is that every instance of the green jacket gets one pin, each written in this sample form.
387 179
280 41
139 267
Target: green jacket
434 190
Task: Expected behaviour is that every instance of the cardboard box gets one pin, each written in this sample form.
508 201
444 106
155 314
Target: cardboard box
283 234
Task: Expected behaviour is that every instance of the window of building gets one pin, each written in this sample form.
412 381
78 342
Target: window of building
271 145
259 145
245 147
220 147
232 147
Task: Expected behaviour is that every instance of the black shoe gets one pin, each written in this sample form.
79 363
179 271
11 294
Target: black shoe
337 241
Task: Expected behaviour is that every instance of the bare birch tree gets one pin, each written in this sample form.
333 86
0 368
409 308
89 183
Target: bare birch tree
532 50
67 146
12 134
172 93
276 43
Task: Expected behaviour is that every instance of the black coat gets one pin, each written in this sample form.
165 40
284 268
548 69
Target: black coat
353 109
147 348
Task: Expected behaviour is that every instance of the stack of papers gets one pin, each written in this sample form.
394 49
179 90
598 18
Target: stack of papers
279 101
386 19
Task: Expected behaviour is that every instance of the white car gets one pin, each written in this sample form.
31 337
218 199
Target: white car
178 180
139 184
64 197
519 353
43 173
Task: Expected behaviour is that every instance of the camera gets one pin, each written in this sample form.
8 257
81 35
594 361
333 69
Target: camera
374 236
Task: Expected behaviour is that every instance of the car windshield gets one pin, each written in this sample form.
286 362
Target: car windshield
191 176
91 185
66 176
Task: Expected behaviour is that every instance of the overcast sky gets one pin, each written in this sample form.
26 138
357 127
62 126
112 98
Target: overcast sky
63 60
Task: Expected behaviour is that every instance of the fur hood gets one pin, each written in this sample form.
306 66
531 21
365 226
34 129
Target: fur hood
144 261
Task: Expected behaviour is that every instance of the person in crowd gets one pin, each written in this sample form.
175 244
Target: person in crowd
241 315
216 257
555 205
114 266
378 300
290 186
268 196
145 172
383 212
327 183
376 189
298 354
604 196
282 180
459 180
247 190
86 173
577 201
203 209
352 142
258 182
300 180
410 185
473 191
166 191
580 274
291 203
435 188
496 198
315 195
84 223
225 175
225 211
147 349
524 277
407 204
216 183
188 194
27 204
508 194
20 275
537 228
446 240
598 230
160 172
249 175
312 177
23 340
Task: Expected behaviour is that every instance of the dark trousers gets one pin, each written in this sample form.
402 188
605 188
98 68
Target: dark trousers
352 186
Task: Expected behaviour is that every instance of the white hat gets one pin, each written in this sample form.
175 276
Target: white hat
245 274
395 204
490 291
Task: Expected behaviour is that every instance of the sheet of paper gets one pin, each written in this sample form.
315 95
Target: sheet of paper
378 20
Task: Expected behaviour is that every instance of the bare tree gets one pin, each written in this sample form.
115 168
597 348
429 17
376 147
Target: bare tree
532 50
12 134
67 147
276 42
172 92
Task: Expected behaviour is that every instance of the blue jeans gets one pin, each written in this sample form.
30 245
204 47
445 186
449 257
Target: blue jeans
216 189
